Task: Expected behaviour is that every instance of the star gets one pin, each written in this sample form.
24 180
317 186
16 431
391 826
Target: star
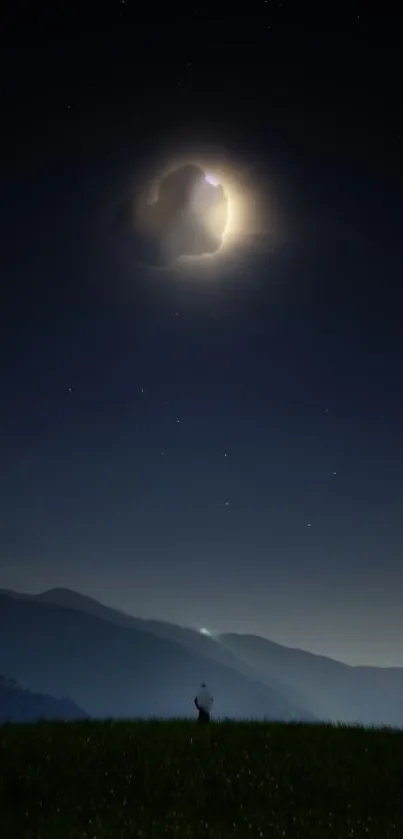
226 503
309 525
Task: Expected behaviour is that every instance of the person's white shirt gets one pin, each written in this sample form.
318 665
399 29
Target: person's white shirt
204 699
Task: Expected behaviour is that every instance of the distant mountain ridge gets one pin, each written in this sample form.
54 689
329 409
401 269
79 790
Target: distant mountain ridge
250 675
330 689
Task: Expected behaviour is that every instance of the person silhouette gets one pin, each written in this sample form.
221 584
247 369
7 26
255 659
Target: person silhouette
204 703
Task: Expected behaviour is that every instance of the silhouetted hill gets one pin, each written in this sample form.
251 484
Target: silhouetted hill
330 689
113 670
19 705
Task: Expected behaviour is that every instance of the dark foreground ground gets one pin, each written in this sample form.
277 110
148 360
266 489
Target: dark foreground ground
172 779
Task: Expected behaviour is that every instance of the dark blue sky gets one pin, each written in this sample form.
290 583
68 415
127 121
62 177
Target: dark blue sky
285 373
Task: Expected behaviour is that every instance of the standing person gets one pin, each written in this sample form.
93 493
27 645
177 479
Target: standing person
204 703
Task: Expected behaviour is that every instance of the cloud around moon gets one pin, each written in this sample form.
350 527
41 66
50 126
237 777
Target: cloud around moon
189 216
192 212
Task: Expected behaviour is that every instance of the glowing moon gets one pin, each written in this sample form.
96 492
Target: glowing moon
223 196
201 212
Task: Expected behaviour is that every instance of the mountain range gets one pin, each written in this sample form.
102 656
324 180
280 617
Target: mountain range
61 643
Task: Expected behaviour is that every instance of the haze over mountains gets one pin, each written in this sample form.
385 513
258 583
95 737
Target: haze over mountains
111 664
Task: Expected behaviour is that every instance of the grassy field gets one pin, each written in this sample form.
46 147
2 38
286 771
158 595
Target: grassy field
174 779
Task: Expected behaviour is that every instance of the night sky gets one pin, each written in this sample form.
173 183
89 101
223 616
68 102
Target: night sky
221 447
